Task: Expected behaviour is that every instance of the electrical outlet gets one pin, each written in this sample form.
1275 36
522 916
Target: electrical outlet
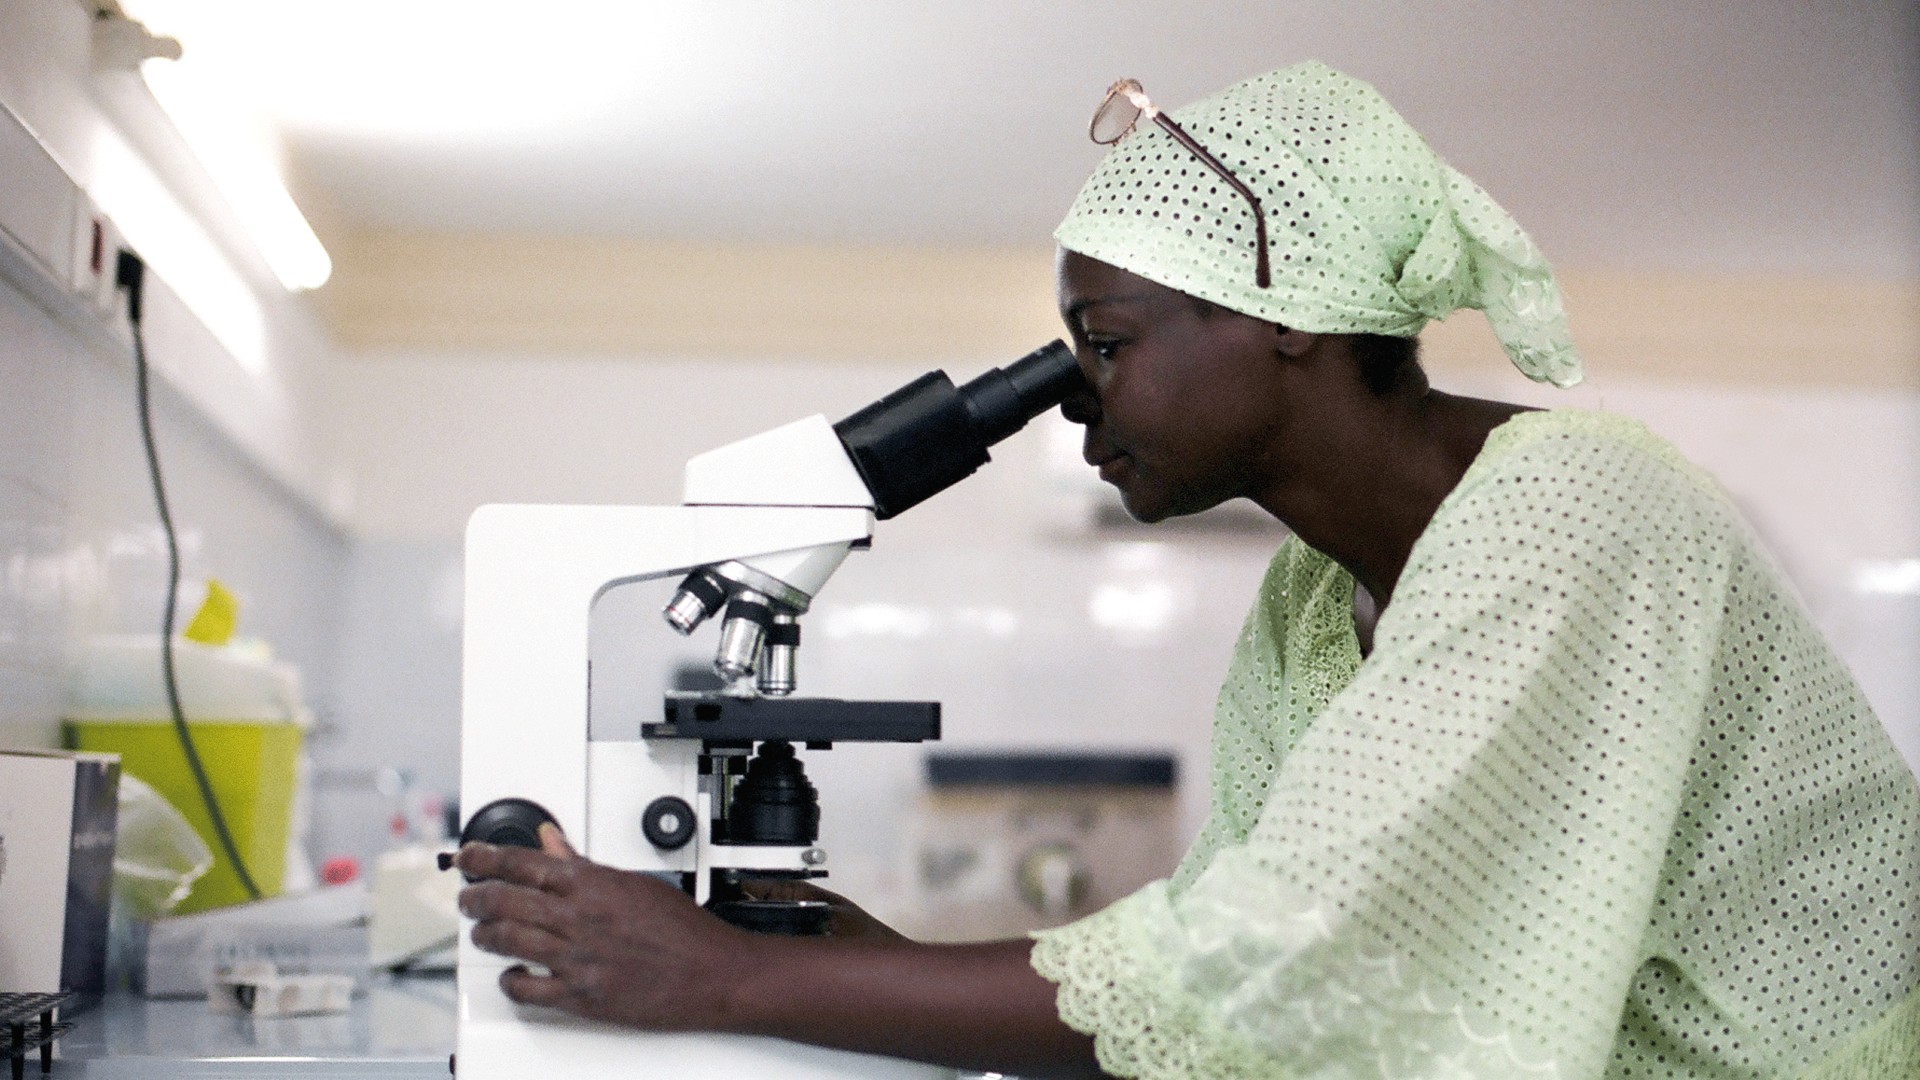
96 246
89 255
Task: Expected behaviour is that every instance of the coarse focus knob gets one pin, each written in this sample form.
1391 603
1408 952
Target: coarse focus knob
508 822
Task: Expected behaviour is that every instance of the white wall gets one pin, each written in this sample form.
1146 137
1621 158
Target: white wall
81 551
431 435
80 547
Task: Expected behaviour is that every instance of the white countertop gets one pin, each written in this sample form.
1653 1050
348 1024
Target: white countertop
402 1028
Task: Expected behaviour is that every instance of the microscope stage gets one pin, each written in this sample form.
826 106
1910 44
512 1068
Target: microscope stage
725 718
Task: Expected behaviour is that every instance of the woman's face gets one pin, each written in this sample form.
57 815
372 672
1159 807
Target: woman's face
1187 400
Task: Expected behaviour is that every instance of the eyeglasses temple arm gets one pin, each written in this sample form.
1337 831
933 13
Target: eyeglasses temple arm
1262 275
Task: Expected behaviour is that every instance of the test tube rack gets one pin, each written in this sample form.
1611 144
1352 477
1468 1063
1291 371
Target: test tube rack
18 1013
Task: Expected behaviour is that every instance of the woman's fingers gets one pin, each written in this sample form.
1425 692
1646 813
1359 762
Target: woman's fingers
785 889
521 866
850 920
554 842
525 987
522 941
609 944
493 900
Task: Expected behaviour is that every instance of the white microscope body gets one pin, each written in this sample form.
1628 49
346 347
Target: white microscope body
764 523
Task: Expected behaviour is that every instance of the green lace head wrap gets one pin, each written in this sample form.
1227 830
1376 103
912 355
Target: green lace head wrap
1369 231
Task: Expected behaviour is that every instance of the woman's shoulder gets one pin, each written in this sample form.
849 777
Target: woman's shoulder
1296 572
1548 433
1567 450
1552 477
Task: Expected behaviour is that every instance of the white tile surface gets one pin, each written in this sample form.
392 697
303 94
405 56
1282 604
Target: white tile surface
80 546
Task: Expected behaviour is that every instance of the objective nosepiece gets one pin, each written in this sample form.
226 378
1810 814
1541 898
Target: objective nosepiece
928 435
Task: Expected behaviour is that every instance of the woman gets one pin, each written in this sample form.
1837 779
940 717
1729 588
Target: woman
1527 763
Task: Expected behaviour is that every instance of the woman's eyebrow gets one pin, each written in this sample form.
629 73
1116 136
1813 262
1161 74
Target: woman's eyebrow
1079 307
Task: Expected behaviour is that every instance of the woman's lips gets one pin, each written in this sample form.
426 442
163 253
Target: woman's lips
1112 468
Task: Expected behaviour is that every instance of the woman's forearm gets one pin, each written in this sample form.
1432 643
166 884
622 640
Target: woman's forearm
974 1006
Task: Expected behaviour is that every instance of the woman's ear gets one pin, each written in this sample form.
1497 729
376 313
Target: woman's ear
1292 343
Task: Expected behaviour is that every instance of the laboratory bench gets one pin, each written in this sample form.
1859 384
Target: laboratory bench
401 1028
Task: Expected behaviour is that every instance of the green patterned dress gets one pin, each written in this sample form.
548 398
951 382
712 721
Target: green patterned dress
1600 803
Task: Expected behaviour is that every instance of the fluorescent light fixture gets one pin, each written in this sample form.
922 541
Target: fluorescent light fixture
240 156
233 146
172 242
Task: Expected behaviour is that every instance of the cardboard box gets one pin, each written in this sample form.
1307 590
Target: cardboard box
57 818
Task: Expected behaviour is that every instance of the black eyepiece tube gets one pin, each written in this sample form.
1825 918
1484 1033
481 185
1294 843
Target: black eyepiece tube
1004 399
928 436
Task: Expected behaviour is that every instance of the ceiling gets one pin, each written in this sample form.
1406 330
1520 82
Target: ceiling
1765 135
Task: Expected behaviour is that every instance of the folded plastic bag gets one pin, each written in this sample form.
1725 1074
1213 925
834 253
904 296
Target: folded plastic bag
158 855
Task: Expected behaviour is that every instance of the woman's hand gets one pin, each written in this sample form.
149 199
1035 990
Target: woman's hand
616 945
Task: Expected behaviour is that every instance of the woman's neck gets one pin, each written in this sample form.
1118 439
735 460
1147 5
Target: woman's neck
1374 473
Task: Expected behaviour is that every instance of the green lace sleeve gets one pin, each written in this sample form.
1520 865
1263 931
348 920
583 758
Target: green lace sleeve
1250 731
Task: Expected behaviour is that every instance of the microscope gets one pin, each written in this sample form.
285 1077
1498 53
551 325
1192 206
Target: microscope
714 792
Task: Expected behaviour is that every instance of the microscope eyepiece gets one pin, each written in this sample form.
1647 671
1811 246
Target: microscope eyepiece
927 436
1004 399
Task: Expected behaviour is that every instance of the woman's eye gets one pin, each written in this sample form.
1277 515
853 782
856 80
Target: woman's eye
1104 348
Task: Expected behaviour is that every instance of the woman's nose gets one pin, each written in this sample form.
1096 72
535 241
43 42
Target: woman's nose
1081 407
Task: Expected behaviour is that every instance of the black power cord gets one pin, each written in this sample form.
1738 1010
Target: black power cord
129 274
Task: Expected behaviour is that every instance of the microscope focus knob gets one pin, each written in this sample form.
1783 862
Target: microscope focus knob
668 822
512 822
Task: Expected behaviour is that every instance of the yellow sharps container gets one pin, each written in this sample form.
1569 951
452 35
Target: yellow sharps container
245 716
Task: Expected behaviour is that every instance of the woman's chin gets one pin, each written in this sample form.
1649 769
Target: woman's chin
1144 510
